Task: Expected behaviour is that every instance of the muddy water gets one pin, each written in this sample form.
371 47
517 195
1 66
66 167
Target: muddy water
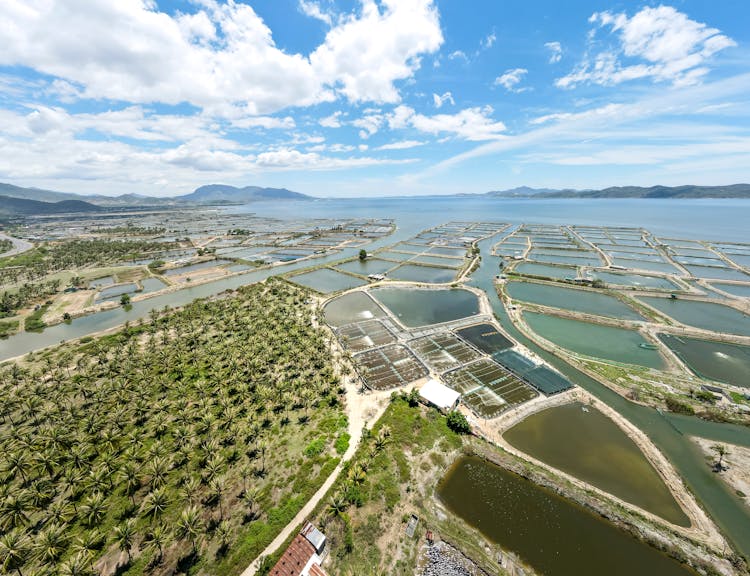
586 444
706 315
720 361
352 307
555 536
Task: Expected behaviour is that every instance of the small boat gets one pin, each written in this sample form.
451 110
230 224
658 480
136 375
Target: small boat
584 408
647 346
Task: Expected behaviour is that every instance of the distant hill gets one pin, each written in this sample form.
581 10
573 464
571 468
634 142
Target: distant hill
210 194
25 207
688 191
220 193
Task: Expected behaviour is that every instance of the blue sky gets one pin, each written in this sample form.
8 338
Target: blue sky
371 98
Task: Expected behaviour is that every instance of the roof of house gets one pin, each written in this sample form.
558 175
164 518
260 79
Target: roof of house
314 536
438 394
295 558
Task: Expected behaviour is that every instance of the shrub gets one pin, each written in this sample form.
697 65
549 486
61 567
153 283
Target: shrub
458 423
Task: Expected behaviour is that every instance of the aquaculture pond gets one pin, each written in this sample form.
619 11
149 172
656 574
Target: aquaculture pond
729 363
741 290
195 267
326 280
715 272
353 307
552 534
605 342
421 306
152 285
585 443
113 292
648 265
367 267
558 272
637 280
106 281
586 301
429 274
705 315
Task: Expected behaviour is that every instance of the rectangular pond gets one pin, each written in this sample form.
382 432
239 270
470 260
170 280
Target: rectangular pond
546 271
485 337
326 280
353 307
421 306
367 267
595 340
739 290
705 315
554 535
586 301
636 280
721 361
427 274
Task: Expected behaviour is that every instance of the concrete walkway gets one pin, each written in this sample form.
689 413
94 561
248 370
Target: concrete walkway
19 246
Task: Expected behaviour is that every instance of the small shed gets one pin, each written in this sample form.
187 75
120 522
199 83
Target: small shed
439 395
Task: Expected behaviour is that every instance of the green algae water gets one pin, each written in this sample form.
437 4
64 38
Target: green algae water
706 315
605 342
586 444
419 307
553 535
729 363
586 301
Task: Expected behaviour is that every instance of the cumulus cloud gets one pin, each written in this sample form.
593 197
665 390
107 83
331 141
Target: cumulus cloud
222 52
488 41
555 51
332 121
473 124
659 43
439 100
511 78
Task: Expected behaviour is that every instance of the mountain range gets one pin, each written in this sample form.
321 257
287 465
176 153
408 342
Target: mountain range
26 201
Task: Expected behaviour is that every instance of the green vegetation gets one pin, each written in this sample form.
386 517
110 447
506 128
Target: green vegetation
363 254
679 407
5 245
458 423
131 230
34 322
174 445
27 293
74 254
406 448
8 327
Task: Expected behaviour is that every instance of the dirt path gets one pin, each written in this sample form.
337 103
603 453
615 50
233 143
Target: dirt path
362 409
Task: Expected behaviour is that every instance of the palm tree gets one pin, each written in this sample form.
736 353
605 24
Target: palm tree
129 474
124 534
156 539
93 509
50 544
14 551
155 503
14 511
336 505
720 451
78 565
190 489
190 526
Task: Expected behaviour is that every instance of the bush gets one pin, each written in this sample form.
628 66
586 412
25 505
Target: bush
674 405
342 442
458 423
315 447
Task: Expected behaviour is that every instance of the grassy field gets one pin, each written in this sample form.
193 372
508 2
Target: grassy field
393 475
181 444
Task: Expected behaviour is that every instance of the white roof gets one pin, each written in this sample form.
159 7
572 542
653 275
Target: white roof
438 394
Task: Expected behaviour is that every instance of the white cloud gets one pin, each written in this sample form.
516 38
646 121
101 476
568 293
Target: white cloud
402 145
488 41
458 55
369 124
266 122
221 53
470 124
439 100
659 43
313 10
555 50
511 78
332 121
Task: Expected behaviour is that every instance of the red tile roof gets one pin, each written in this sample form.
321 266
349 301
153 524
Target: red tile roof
295 558
316 570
